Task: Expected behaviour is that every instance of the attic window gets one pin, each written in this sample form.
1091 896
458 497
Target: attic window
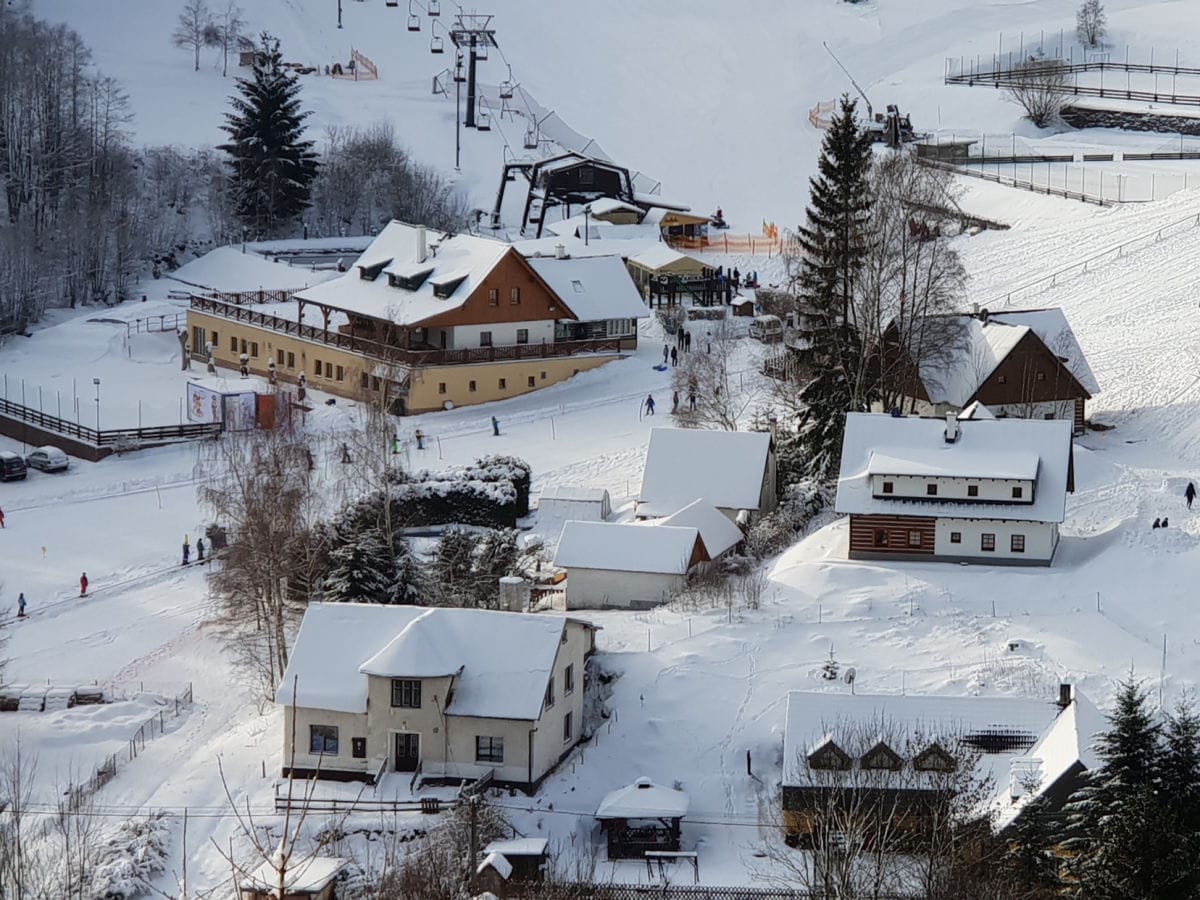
577 285
444 289
1002 379
371 272
829 756
934 759
410 279
881 756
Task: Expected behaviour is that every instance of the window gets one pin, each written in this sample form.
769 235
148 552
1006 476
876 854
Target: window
933 759
489 749
880 537
316 368
1002 379
956 537
577 285
1017 492
339 374
522 335
829 756
931 490
504 384
374 383
888 487
914 539
279 357
366 381
406 693
1041 376
568 727
198 339
1017 543
471 386
881 756
232 344
532 381
987 542
328 370
322 739
515 296
543 376
358 748
485 339
972 490
441 387
493 296
549 701
291 360
568 677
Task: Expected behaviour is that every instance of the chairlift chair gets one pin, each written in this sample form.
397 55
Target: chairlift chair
435 8
506 90
460 73
435 45
483 122
414 23
481 53
393 2
531 138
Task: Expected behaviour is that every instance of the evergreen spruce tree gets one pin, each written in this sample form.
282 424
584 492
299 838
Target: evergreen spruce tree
453 567
1180 828
1114 823
834 242
362 567
272 165
408 579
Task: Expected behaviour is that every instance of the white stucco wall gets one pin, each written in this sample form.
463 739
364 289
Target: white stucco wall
548 743
349 725
605 588
503 333
913 487
1041 538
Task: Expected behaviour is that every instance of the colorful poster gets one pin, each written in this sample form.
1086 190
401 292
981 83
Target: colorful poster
241 411
203 404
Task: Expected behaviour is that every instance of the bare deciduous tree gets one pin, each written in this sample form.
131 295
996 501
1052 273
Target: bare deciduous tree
18 864
190 30
1040 86
224 31
1090 22
707 376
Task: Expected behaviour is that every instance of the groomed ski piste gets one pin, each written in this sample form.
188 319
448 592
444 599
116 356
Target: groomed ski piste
697 688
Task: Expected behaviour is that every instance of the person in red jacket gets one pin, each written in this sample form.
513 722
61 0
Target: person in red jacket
83 583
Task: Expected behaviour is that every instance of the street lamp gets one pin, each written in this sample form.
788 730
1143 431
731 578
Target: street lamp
96 382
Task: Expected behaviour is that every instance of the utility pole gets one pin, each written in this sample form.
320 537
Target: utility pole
339 3
457 117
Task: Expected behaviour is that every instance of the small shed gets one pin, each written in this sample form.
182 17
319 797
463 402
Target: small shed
526 856
311 879
493 874
642 817
581 504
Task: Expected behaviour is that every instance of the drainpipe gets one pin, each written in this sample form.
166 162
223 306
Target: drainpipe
529 776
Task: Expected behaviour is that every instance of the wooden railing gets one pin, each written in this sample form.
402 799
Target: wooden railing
108 437
238 312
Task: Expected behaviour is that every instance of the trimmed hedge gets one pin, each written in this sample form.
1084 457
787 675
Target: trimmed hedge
493 492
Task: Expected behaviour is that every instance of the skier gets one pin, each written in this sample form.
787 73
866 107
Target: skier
199 550
1190 494
1157 524
1164 524
495 427
649 404
83 585
674 357
187 550
665 353
420 436
692 400
20 606
674 402
687 342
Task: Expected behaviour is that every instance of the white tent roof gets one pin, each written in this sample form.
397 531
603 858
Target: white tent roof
626 547
306 877
458 256
643 800
502 660
1004 448
656 256
728 466
716 530
594 288
334 638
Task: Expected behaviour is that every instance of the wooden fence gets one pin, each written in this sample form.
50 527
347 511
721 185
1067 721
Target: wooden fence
593 891
724 242
114 438
1018 73
152 324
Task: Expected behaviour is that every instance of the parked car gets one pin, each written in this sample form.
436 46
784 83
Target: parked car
48 459
767 329
12 467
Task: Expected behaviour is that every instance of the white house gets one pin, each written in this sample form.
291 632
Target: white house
626 565
600 293
439 694
978 490
733 470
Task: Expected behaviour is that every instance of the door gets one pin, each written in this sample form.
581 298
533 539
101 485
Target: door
408 751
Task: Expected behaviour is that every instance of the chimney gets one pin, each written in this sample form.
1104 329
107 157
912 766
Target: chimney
422 247
951 427
1065 696
975 308
560 252
773 428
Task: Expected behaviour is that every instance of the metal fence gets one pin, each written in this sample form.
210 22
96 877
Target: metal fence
112 437
181 702
579 890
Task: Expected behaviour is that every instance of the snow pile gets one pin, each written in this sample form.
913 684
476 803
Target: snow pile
131 857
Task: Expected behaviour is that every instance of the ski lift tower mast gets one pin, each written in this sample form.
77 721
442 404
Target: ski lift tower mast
471 32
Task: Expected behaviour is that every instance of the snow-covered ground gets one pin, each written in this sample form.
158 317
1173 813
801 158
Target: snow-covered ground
720 117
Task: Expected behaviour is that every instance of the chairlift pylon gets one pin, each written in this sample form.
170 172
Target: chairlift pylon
435 8
435 45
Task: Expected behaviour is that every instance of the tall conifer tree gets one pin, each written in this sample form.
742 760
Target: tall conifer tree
272 165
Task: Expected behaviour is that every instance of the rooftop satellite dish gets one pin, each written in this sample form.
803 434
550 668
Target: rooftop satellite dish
850 673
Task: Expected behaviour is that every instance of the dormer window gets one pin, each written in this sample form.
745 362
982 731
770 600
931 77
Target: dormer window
829 756
410 279
931 489
444 287
972 490
882 757
934 759
888 487
1017 492
371 272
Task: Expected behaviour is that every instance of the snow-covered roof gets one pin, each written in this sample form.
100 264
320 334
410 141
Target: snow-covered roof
659 549
716 530
519 847
857 721
496 861
1019 464
1052 327
658 256
501 660
459 256
594 289
603 205
573 494
333 640
643 800
681 463
1006 445
307 876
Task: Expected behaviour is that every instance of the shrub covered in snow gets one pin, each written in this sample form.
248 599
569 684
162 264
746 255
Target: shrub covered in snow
773 533
493 492
131 856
